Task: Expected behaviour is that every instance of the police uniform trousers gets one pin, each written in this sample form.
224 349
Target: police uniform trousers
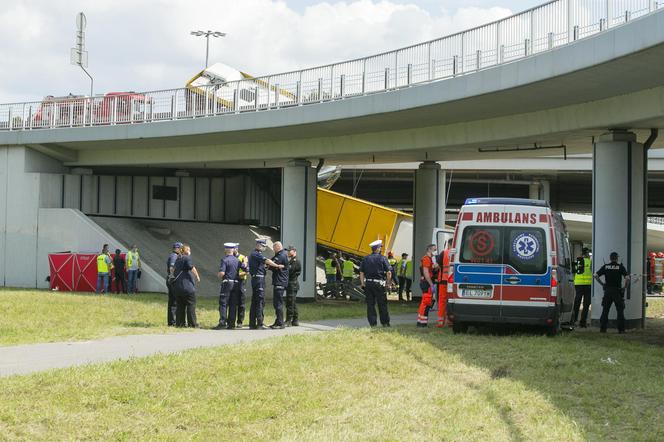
375 294
171 308
612 295
224 298
278 303
185 315
241 308
234 299
582 296
291 305
257 301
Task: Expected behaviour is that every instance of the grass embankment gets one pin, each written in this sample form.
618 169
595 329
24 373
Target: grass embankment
31 316
383 384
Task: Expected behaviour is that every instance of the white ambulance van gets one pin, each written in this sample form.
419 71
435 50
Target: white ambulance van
510 264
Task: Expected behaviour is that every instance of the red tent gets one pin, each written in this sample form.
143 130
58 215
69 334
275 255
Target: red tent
61 266
75 272
85 272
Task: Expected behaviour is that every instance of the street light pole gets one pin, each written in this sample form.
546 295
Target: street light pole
207 35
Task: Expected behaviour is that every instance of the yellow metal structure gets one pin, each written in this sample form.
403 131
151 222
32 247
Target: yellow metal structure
350 224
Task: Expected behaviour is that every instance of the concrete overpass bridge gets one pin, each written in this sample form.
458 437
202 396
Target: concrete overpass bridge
575 75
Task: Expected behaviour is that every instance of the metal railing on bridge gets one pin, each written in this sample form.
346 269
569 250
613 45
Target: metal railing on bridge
536 30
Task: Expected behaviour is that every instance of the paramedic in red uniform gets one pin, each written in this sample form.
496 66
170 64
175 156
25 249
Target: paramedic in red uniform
442 285
428 269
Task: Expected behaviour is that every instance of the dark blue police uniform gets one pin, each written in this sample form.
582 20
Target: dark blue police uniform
280 283
172 298
184 288
613 294
375 268
229 295
257 272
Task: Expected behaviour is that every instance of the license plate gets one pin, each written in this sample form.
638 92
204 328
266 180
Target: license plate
477 292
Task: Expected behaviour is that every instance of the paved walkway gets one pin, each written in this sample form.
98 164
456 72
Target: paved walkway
30 358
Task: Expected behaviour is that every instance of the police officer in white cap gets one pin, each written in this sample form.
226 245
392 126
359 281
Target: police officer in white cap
230 288
375 275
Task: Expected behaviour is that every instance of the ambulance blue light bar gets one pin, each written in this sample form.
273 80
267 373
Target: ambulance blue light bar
506 201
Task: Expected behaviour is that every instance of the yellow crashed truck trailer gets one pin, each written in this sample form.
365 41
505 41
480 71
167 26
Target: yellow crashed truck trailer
350 224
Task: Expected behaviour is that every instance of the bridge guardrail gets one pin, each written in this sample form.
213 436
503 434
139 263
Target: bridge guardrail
533 31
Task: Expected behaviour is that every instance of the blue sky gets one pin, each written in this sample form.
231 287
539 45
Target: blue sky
145 45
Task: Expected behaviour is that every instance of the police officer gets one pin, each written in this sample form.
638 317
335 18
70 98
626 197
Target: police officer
257 263
614 289
171 308
375 274
229 293
242 279
583 278
294 270
279 283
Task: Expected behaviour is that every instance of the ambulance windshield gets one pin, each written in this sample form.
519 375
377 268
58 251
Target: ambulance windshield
523 248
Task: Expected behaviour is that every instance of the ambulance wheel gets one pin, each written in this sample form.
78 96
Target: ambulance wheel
459 327
555 328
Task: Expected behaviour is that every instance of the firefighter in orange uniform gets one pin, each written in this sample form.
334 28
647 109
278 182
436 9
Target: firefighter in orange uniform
443 275
428 276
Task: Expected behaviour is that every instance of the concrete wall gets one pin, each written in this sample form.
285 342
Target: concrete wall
19 206
63 230
230 200
33 190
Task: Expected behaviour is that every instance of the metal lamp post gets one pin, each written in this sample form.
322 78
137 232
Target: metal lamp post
207 35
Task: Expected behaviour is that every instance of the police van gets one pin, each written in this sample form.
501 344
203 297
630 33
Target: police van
510 264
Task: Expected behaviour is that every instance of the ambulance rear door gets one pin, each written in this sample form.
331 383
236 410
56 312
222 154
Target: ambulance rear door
479 266
526 274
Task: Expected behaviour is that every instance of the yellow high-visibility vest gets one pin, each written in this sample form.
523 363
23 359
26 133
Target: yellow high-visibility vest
102 265
586 277
329 269
241 273
408 271
130 258
348 269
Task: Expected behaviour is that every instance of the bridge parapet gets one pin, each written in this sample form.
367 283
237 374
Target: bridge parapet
540 29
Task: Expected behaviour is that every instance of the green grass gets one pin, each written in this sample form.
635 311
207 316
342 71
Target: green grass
31 316
398 384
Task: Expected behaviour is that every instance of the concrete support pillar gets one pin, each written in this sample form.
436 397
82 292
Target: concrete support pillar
533 191
298 219
619 217
429 212
541 190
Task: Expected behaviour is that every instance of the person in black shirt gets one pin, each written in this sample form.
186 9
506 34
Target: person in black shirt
294 270
119 270
184 286
614 289
279 282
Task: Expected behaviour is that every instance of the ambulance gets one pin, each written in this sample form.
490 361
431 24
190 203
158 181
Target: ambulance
510 264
